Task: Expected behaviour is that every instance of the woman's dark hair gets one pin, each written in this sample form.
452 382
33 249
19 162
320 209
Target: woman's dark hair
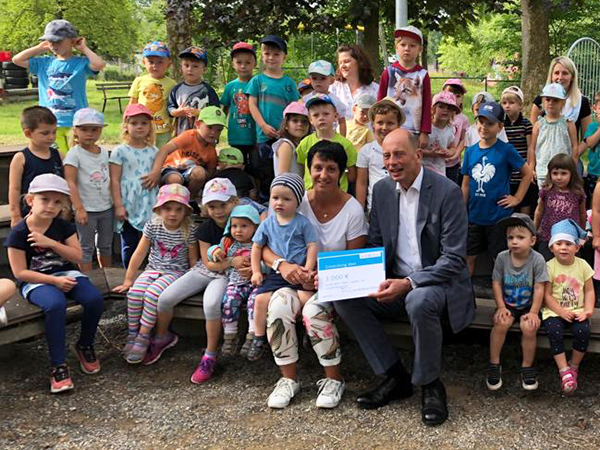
365 69
565 162
329 151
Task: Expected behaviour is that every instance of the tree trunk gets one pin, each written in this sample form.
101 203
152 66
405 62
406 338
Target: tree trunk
424 55
535 47
178 14
371 37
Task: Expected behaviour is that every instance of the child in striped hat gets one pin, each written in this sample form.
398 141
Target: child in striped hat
293 239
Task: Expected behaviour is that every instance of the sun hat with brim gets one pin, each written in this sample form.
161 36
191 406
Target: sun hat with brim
242 212
295 108
554 90
196 53
492 111
517 220
231 155
387 101
486 96
447 98
218 189
213 115
319 99
567 230
365 101
88 116
136 109
513 90
57 30
457 82
48 182
409 31
173 193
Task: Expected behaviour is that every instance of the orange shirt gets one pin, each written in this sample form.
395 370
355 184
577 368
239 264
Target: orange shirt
190 149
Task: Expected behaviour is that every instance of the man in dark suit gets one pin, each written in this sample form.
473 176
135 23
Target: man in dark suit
420 219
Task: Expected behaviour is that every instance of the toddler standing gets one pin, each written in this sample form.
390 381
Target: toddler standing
86 171
359 129
461 125
294 128
442 137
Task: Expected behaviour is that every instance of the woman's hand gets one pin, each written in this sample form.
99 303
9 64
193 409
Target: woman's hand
293 273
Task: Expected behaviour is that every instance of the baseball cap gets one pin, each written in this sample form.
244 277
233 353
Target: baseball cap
276 41
156 48
319 99
455 82
57 30
554 90
321 67
389 101
242 47
88 116
173 192
213 115
365 101
567 230
492 111
304 84
486 96
295 108
195 52
517 219
218 189
231 155
409 31
48 182
514 90
447 98
135 110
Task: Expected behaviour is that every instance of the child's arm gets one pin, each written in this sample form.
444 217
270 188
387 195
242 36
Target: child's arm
284 157
510 201
352 174
213 266
596 217
15 175
22 59
589 301
342 124
592 140
151 179
258 118
193 254
70 250
539 213
81 216
553 305
465 189
115 171
582 213
538 298
95 62
312 249
531 148
362 185
255 259
18 265
134 264
573 138
501 310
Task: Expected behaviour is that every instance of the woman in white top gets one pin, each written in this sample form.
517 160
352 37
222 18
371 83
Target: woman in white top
354 76
340 223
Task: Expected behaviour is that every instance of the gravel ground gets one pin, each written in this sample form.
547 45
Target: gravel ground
127 407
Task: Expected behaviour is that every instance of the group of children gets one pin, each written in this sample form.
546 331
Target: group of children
170 132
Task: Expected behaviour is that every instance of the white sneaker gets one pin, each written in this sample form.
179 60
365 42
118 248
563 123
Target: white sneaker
3 317
284 391
330 392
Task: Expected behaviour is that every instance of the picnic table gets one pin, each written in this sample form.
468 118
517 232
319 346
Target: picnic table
110 87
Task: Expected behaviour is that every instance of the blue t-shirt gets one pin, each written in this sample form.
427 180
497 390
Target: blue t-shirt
241 129
61 85
273 94
594 153
489 172
288 241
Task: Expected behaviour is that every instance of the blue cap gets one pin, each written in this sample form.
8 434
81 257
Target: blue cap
567 230
276 41
243 211
492 111
319 99
321 67
156 48
554 90
196 53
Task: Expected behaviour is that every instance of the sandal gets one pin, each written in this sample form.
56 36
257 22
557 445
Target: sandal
568 381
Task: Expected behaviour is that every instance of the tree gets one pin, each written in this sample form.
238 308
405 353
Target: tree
536 55
179 29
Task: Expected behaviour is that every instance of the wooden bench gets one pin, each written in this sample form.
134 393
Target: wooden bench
109 87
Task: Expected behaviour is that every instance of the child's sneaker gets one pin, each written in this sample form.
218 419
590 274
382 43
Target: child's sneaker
139 349
247 343
87 359
158 346
60 380
494 377
284 391
3 317
330 392
257 348
129 343
568 382
204 371
529 378
230 344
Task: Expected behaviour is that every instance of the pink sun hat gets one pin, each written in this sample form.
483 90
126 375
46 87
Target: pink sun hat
447 98
295 108
173 193
455 82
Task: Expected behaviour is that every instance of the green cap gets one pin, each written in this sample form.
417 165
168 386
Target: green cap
213 115
231 155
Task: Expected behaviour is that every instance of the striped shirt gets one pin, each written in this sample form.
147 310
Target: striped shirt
517 133
168 249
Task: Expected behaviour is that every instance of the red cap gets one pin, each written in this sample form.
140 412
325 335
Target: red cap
135 110
242 47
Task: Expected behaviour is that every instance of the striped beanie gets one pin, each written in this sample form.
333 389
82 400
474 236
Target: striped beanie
292 181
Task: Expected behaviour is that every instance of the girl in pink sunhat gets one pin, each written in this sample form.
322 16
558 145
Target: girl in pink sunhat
169 237
294 128
441 140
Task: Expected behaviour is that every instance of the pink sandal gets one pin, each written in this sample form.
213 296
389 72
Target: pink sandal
568 381
574 369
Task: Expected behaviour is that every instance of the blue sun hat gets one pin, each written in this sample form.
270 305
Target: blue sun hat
567 230
88 116
554 90
245 212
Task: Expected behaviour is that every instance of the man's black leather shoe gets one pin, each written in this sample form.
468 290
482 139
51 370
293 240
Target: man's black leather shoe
392 388
434 406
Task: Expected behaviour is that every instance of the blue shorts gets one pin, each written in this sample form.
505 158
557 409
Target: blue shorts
183 173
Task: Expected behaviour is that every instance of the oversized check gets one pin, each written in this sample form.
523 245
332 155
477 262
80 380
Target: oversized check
350 273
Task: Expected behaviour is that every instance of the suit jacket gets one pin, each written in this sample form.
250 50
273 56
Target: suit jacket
442 233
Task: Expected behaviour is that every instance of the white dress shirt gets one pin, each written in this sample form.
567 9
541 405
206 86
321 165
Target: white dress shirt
408 258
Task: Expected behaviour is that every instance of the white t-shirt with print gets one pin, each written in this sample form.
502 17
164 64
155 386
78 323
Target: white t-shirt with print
93 179
370 157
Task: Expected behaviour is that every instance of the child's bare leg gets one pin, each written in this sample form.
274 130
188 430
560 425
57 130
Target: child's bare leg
213 334
471 263
304 296
528 343
261 305
163 320
85 267
497 338
561 361
7 290
105 260
576 358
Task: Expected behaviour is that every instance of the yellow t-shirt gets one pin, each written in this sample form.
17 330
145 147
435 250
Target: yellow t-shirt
567 284
154 95
358 134
305 145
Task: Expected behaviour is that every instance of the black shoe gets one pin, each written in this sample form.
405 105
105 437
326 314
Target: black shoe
392 388
529 378
434 409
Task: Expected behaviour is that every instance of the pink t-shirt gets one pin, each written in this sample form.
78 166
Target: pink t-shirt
558 206
461 124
